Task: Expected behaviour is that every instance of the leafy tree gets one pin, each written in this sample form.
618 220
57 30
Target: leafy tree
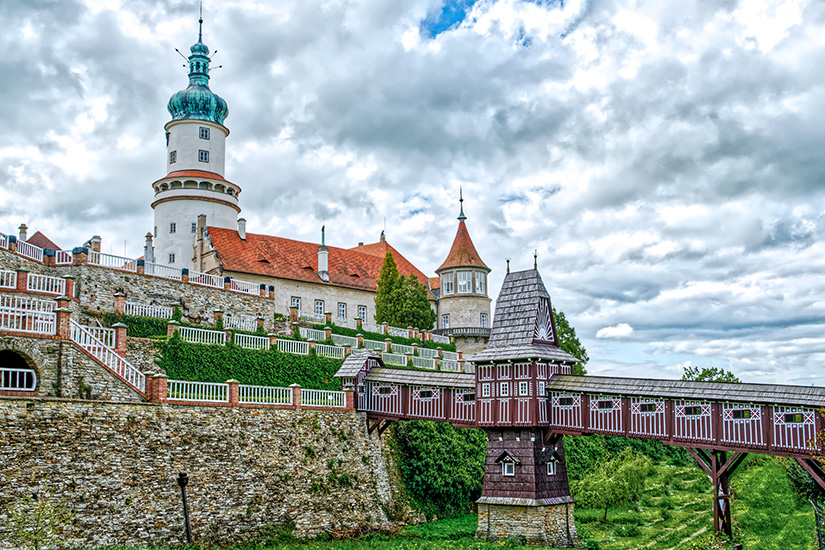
414 306
709 374
388 283
620 480
35 522
569 342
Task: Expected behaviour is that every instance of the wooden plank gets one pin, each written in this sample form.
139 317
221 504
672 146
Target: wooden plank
695 454
812 467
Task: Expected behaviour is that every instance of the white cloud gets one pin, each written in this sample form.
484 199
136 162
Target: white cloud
622 330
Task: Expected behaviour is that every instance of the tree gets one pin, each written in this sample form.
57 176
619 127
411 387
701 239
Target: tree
618 481
414 308
388 283
35 522
569 342
709 374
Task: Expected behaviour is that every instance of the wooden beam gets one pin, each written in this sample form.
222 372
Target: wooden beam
371 429
726 467
386 425
700 460
812 467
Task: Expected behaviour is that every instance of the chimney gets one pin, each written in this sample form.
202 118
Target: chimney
94 243
242 228
23 229
383 239
361 243
149 250
323 258
200 237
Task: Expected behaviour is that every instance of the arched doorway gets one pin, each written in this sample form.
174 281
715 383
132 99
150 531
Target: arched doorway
15 372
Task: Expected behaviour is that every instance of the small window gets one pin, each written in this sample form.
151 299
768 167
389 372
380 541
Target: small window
508 468
342 311
296 302
693 411
480 286
551 468
171 258
524 388
172 228
465 279
606 404
194 227
483 320
425 394
204 133
167 139
203 156
173 157
467 397
504 389
795 418
647 407
385 390
319 307
742 413
541 389
565 401
485 389
362 313
445 321
156 231
447 283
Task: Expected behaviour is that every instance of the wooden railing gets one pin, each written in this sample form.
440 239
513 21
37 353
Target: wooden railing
402 349
325 350
164 271
29 315
341 340
112 262
244 286
264 395
394 359
240 322
375 345
312 334
8 279
63 257
293 346
251 342
323 398
423 362
205 279
30 251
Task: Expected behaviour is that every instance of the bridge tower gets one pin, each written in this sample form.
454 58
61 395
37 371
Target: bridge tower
525 491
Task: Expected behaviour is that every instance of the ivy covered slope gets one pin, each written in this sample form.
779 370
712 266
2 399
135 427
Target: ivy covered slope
201 363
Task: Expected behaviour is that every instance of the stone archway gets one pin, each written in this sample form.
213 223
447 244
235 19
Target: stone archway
26 354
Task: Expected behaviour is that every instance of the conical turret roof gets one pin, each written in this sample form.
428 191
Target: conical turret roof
463 252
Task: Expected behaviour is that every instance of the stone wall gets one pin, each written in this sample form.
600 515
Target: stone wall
544 525
250 469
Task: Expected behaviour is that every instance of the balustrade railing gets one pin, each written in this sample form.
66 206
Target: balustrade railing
8 279
113 262
149 310
372 327
293 346
251 342
240 322
325 350
264 395
30 251
450 355
159 270
17 379
395 331
427 352
23 314
202 336
63 257
401 348
323 398
311 317
469 367
423 362
33 305
105 335
207 392
441 339
341 340
46 284
394 359
244 286
450 366
205 279
312 334
375 345
84 338
348 323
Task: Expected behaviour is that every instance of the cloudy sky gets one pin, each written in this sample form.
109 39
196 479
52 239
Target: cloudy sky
663 158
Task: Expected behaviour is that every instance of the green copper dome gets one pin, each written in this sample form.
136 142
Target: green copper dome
197 101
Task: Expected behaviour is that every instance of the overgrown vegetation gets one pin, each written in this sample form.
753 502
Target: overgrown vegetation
36 521
377 336
618 481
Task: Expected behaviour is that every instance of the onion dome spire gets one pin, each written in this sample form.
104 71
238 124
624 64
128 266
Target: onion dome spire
197 101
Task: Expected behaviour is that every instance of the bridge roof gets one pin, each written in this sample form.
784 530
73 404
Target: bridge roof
410 377
355 362
768 394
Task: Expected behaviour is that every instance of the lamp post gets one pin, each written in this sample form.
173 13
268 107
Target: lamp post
183 480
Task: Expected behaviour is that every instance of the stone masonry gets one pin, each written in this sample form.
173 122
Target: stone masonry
545 525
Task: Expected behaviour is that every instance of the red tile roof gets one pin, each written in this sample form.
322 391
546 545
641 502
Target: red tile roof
463 253
42 241
298 260
193 174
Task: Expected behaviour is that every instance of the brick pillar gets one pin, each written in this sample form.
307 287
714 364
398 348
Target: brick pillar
327 333
120 338
273 341
271 292
148 387
293 314
312 344
263 290
452 339
349 398
49 257
12 240
360 338
228 335
227 283
415 348
261 321
295 328
347 350
385 328
22 279
64 315
437 363
387 344
218 314
140 269
234 391
184 275
440 351
171 328
358 322
70 288
328 316
296 395
120 304
460 355
80 255
160 388
410 332
409 359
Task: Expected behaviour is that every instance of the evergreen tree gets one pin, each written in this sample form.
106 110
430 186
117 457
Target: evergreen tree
388 284
414 308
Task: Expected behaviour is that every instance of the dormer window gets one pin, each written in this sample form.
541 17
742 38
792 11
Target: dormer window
203 156
204 133
508 468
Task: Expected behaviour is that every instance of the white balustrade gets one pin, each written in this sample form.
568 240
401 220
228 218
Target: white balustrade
325 350
249 324
293 346
8 279
30 251
46 284
251 342
441 339
202 336
375 345
427 352
323 398
113 262
205 279
312 334
207 392
4 241
469 367
423 362
395 331
17 379
310 317
450 366
348 323
264 395
34 305
149 310
23 314
401 348
105 335
159 270
394 359
63 257
451 355
341 340
246 287
84 338
372 327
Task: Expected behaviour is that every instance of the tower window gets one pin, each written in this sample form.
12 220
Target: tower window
480 283
195 228
156 231
464 282
171 228
203 156
551 467
445 321
173 157
204 133
171 258
483 320
508 468
447 283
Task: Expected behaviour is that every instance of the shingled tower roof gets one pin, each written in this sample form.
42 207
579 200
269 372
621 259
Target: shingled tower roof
523 325
463 252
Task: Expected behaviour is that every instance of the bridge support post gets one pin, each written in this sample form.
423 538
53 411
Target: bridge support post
719 467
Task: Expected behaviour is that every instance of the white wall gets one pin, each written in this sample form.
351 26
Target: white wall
184 139
183 213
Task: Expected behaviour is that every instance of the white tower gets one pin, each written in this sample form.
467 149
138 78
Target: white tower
195 161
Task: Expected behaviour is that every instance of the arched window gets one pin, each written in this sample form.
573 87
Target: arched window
15 372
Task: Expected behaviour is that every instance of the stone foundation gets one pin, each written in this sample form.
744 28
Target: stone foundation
532 521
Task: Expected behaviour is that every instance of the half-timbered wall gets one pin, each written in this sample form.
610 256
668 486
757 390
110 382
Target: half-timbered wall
742 425
692 421
605 414
463 406
794 428
383 398
647 417
426 402
566 410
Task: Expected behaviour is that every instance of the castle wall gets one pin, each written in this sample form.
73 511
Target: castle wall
464 310
249 469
